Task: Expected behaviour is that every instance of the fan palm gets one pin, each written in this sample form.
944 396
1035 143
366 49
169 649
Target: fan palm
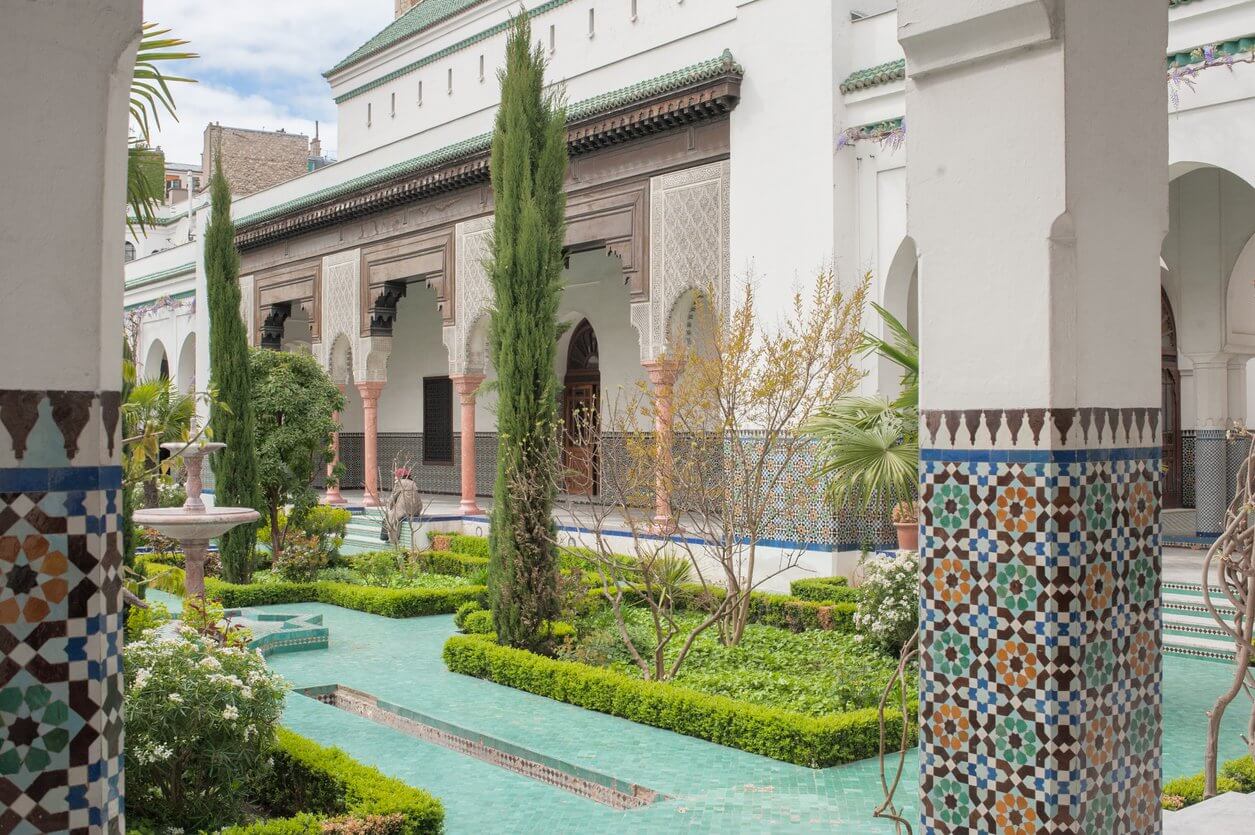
868 446
150 94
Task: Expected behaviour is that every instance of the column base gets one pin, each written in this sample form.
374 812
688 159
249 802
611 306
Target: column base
469 507
664 526
333 497
371 501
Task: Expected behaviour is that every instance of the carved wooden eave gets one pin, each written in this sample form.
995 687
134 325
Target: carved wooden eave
277 291
425 257
618 221
710 98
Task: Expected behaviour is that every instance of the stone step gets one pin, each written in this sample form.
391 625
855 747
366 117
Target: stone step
1191 623
1198 646
1193 604
1225 814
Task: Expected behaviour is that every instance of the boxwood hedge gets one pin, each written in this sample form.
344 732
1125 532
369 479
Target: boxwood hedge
781 610
317 789
812 741
392 603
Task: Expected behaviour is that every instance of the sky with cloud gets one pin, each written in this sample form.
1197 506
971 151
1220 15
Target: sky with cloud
260 64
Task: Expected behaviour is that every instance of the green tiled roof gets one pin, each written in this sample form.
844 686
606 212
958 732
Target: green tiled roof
444 53
141 280
423 16
1174 3
677 79
160 221
1233 46
186 294
870 77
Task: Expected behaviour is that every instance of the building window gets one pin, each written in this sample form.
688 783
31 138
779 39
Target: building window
437 420
450 80
367 114
592 22
195 183
632 17
394 105
420 94
553 37
481 67
128 251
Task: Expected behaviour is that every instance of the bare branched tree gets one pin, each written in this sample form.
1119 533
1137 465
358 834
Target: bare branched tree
708 463
401 504
1233 556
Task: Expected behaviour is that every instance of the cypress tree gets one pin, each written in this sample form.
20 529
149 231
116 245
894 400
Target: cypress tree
529 161
235 468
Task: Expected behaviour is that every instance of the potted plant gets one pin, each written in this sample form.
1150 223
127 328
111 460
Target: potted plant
906 520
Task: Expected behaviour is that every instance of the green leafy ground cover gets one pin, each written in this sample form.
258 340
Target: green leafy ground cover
814 672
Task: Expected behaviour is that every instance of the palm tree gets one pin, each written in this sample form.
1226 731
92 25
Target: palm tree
868 446
150 94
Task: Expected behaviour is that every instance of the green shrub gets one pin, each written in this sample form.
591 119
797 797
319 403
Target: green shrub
139 620
459 617
450 562
465 544
200 727
392 603
1237 775
301 559
310 783
478 623
824 590
779 610
1242 772
817 742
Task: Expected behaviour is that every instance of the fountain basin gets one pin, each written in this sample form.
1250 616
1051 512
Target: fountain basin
181 524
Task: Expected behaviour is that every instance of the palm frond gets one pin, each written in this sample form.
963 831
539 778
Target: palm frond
150 95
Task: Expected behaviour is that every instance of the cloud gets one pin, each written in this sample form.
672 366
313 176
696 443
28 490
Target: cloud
261 63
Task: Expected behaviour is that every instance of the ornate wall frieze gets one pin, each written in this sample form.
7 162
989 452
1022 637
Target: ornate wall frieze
1045 428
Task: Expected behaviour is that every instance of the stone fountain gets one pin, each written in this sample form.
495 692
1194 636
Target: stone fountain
193 524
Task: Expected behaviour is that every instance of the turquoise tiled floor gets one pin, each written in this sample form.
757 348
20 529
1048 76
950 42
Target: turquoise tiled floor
711 788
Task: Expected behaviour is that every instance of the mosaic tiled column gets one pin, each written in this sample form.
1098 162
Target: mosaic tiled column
467 385
60 611
61 322
370 392
332 495
1038 255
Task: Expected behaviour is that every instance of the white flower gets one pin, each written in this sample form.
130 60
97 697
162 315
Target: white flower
176 698
246 692
141 677
230 712
161 752
250 731
210 663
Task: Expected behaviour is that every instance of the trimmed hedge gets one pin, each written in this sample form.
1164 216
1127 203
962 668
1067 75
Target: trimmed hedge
825 590
311 783
1237 775
783 611
817 742
478 623
392 603
465 544
449 562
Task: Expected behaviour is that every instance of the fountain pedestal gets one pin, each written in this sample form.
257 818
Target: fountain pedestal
193 524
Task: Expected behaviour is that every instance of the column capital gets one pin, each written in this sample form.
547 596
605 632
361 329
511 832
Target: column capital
466 385
370 389
663 371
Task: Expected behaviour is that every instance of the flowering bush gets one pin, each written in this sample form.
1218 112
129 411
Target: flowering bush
200 727
889 610
301 559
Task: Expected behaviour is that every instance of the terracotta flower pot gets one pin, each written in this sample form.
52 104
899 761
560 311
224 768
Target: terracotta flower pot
908 535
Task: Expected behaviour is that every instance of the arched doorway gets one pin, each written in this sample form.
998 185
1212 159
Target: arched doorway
1171 381
580 412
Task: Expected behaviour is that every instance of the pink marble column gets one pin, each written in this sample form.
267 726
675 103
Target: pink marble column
370 392
332 495
662 376
467 385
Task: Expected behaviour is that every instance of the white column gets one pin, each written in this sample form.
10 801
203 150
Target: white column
65 70
1211 404
1039 248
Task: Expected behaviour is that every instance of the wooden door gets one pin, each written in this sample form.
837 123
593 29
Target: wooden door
580 412
1171 416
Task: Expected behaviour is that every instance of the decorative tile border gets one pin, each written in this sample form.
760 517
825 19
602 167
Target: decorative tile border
584 782
1040 667
1044 428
